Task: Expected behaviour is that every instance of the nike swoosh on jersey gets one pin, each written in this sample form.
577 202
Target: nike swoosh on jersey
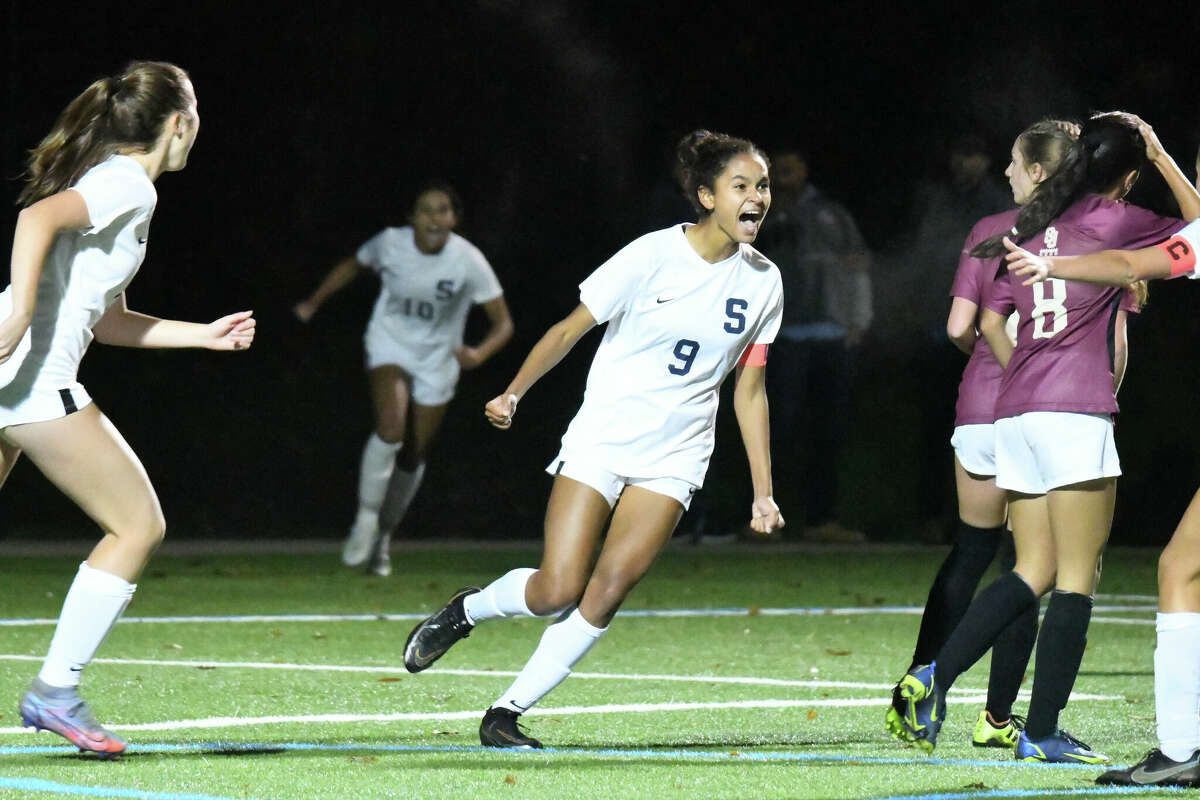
669 299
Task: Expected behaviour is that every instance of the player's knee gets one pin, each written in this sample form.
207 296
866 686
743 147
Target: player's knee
390 432
553 593
1176 568
607 592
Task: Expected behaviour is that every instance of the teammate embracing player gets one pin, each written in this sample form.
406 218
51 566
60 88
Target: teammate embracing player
685 306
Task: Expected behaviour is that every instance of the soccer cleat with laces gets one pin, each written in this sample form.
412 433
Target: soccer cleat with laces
63 711
924 707
990 735
1059 748
434 635
500 729
1156 769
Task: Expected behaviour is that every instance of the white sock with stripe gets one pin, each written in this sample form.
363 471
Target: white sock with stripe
1177 684
92 606
503 597
562 646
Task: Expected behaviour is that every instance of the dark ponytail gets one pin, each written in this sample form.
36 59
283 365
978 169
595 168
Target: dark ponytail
126 111
1055 146
1114 148
701 156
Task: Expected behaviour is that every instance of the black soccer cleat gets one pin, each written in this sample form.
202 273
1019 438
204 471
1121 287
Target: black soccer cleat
434 635
500 729
1156 769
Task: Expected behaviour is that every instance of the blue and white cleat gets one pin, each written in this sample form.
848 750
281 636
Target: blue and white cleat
63 711
925 707
1059 748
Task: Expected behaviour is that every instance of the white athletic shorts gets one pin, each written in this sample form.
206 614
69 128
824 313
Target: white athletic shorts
610 485
432 383
22 404
975 448
1042 450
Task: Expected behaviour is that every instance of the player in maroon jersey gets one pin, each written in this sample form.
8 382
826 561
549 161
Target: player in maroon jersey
982 506
1054 433
1176 761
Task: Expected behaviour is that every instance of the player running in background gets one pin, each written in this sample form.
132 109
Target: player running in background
1176 761
1047 148
430 278
80 238
1054 436
685 306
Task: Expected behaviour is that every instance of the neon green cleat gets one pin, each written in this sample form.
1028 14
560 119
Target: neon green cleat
989 735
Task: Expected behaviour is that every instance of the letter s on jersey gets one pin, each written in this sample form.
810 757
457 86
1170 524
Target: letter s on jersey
734 307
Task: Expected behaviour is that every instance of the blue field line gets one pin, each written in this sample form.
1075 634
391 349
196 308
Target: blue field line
1091 791
727 755
50 787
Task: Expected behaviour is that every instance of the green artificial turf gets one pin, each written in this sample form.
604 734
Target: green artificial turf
664 706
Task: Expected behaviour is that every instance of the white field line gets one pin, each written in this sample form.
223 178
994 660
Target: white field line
652 613
629 708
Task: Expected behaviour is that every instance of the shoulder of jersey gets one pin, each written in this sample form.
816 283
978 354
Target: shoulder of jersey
994 223
755 259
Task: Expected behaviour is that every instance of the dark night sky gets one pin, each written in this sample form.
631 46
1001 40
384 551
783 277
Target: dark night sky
554 118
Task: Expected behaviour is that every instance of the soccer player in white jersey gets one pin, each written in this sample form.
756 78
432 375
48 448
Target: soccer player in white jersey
80 238
685 306
430 278
1176 761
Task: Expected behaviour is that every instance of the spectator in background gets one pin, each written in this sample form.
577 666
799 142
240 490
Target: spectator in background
825 266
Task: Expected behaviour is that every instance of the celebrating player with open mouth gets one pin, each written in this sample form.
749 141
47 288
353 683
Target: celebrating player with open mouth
685 306
80 239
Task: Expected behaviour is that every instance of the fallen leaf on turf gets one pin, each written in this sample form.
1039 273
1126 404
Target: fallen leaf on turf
510 779
838 652
173 647
812 714
390 680
734 753
752 611
364 759
318 635
976 785
206 666
445 733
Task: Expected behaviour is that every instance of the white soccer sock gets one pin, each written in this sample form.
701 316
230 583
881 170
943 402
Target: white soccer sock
401 490
562 645
503 597
1177 683
93 604
378 462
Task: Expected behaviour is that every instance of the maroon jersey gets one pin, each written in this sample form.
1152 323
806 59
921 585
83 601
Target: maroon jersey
1063 359
973 281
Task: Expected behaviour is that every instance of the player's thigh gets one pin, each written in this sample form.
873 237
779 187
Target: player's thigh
391 388
1030 520
980 502
424 422
1080 520
1179 564
86 457
9 453
642 523
575 519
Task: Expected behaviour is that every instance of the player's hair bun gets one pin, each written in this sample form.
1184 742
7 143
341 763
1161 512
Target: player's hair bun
701 156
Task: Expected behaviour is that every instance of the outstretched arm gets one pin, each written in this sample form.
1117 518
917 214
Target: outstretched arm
499 332
750 407
124 328
1111 267
37 225
338 278
549 350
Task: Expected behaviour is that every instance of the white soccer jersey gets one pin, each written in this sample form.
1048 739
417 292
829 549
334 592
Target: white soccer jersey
423 303
84 272
677 326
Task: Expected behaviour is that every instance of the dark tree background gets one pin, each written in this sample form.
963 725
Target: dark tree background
555 119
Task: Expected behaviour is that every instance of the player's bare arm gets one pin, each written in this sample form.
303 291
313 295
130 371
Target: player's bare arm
991 326
124 328
549 350
1110 267
750 407
500 331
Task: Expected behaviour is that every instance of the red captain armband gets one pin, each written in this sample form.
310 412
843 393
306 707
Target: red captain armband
755 355
1182 254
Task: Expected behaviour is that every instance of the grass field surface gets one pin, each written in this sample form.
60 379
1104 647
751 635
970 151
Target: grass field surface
733 672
